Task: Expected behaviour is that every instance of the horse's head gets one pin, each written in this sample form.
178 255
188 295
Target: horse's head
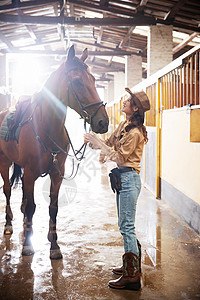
83 96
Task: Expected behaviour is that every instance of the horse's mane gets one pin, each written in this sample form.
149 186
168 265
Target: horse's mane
55 76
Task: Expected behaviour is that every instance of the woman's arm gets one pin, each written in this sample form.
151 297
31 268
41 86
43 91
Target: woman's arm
127 147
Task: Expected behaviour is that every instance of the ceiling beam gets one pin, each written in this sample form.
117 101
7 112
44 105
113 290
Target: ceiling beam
104 2
185 42
100 65
62 52
143 2
123 41
140 8
175 9
103 79
7 42
126 37
137 20
135 51
106 8
106 70
26 4
28 27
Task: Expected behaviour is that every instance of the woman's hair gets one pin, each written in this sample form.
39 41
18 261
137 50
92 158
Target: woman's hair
137 120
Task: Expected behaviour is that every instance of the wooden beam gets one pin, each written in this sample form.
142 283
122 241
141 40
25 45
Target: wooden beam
140 8
123 41
134 52
40 43
104 2
101 65
71 9
28 27
138 20
126 37
143 2
7 42
174 10
106 8
185 42
47 20
100 35
62 52
103 79
26 4
106 70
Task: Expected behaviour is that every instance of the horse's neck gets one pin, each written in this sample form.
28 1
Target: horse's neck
54 103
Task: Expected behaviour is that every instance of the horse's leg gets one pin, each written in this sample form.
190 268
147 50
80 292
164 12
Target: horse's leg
8 230
56 181
28 195
23 204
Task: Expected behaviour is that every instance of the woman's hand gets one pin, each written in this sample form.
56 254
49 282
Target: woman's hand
93 140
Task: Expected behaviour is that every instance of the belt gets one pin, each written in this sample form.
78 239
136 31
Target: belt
126 169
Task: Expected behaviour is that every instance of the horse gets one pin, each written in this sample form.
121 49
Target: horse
43 143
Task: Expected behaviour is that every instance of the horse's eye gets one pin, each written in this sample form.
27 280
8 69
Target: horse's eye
78 82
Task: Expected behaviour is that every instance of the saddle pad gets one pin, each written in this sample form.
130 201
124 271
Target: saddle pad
6 133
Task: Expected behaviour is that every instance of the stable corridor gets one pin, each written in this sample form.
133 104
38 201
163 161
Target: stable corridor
91 245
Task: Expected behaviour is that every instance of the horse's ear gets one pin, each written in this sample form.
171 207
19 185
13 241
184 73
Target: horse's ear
71 54
84 55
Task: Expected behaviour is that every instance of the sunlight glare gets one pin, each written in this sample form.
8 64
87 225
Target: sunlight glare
26 75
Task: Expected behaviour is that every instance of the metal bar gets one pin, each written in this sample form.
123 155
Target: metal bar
191 79
199 76
188 82
184 85
162 86
196 78
114 115
167 91
178 87
175 88
170 90
158 159
181 86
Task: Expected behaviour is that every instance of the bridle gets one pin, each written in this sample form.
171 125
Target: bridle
84 114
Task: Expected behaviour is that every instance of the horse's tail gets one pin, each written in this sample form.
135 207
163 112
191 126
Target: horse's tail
16 176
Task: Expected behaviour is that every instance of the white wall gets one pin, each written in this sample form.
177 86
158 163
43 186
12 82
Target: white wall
180 158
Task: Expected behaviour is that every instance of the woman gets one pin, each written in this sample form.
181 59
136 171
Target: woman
128 142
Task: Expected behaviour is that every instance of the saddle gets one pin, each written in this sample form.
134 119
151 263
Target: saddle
12 123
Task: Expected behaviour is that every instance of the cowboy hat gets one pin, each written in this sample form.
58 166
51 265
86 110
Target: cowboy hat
141 100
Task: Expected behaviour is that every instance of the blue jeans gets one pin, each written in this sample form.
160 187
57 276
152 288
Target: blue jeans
126 209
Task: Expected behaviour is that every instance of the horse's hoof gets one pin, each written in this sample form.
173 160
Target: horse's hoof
27 250
55 254
8 230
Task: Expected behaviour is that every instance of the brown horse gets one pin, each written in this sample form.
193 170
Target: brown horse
43 143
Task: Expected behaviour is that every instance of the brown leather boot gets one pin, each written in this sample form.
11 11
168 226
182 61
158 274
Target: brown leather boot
130 278
119 270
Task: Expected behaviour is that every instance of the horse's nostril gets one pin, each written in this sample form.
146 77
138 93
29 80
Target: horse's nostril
101 124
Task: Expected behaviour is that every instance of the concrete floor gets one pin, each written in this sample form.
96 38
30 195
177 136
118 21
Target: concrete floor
91 245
